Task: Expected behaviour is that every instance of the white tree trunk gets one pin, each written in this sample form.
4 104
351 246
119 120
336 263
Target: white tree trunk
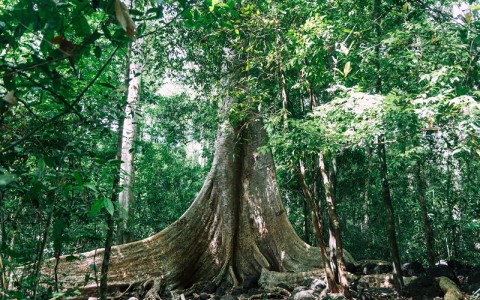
128 136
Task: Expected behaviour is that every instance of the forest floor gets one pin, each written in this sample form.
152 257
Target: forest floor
370 279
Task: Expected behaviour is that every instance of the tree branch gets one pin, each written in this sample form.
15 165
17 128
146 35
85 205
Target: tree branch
67 111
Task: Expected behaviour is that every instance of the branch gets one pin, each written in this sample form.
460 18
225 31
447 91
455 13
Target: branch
67 111
62 99
165 24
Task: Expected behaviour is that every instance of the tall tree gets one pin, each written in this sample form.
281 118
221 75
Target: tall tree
237 222
134 71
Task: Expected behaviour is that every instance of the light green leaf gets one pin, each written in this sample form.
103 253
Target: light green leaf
347 69
91 186
108 206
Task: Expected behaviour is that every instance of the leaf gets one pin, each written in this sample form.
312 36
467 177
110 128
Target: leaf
123 17
214 2
7 179
468 17
96 207
91 186
81 26
10 98
78 178
347 69
109 206
344 49
41 163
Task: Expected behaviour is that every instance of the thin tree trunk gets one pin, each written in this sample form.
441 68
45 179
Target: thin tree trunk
3 245
306 222
284 96
426 223
134 71
391 230
366 199
103 291
114 197
40 250
336 247
387 199
318 228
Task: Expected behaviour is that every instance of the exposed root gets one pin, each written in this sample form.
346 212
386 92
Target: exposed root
154 287
124 292
232 275
181 294
270 293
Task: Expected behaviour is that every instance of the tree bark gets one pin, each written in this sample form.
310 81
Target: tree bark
391 230
134 71
426 223
318 228
235 227
336 246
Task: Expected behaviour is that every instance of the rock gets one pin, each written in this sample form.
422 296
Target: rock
334 297
350 268
132 298
359 286
298 289
237 291
474 290
204 296
304 295
449 288
229 297
474 276
413 269
378 280
317 285
209 288
285 287
368 268
382 269
442 270
250 282
269 279
422 286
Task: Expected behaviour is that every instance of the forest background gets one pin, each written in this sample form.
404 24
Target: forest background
384 92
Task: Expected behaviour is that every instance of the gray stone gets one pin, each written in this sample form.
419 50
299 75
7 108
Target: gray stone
317 285
304 295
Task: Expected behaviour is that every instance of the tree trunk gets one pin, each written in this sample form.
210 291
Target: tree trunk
318 228
125 197
426 223
366 199
391 230
336 247
114 196
235 227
